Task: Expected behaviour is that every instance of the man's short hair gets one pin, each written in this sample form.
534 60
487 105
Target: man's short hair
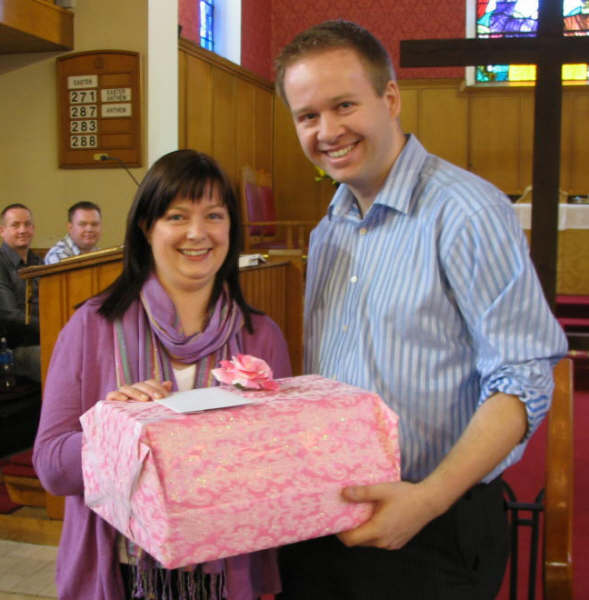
11 206
331 35
82 206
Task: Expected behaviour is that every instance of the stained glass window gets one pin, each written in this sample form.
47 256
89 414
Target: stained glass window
519 18
207 13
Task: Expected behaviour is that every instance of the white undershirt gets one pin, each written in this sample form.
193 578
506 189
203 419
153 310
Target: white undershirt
184 377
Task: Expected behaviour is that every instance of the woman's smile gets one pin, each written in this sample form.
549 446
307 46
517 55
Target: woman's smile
190 242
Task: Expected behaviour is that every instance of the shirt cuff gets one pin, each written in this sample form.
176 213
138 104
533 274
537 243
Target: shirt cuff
534 389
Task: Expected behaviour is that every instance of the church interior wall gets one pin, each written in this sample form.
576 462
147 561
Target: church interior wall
389 21
488 131
256 36
188 19
231 112
225 111
29 124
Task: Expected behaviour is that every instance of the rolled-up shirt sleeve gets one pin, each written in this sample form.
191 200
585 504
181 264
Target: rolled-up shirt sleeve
517 339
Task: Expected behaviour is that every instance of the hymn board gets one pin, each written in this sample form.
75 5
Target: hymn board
549 51
99 109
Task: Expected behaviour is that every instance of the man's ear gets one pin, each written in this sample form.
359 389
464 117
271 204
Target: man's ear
69 226
393 97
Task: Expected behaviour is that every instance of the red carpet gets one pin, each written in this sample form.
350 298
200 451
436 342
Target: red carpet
526 479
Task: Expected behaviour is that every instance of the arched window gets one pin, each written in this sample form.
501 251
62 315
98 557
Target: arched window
519 18
207 21
220 27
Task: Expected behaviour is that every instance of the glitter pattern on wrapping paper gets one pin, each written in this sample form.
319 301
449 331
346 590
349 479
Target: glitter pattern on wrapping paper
191 488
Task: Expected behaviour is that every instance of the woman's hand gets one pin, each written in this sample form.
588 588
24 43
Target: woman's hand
143 391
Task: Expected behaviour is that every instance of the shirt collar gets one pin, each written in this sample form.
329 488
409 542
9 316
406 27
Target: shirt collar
68 240
402 179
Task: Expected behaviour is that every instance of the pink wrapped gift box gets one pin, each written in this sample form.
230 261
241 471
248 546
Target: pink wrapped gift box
189 488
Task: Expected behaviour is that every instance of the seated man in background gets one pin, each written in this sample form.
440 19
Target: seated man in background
17 230
84 227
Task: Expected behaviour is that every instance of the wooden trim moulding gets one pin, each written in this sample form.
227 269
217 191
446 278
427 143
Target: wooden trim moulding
222 63
422 82
481 88
80 261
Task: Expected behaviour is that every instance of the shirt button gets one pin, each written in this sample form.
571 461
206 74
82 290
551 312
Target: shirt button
362 231
344 328
353 279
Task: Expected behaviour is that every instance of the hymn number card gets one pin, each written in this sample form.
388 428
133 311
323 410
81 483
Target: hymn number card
99 109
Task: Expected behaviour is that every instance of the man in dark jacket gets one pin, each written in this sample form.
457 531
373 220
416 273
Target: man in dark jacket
17 230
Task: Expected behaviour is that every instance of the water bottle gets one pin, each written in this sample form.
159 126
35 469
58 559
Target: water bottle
7 375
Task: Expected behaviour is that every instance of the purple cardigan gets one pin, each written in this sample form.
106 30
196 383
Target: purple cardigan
80 374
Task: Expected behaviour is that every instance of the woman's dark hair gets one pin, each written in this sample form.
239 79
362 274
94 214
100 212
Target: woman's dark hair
184 173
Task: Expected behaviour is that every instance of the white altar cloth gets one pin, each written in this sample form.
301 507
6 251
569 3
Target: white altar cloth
570 216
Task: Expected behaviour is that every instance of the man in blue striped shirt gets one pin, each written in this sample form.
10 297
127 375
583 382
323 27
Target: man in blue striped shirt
419 287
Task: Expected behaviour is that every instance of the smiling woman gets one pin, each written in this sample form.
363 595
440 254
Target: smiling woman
173 314
189 244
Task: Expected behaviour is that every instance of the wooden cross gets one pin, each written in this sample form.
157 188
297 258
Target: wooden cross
549 50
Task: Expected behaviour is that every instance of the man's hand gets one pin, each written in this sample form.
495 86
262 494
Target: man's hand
401 510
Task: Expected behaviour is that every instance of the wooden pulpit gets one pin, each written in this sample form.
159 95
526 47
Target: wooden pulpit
64 285
274 287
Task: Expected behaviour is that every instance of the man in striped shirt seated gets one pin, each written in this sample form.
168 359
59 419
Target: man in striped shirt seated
419 287
84 227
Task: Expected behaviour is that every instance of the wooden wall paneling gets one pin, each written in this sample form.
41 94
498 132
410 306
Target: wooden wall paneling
326 192
61 293
199 105
107 273
526 151
443 123
244 125
263 128
494 137
223 122
182 78
579 133
572 275
265 290
567 142
53 311
409 108
298 195
234 115
294 291
277 289
228 111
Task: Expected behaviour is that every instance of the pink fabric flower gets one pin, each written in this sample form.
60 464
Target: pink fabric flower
247 372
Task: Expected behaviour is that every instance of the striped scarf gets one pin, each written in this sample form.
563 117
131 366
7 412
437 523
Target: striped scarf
146 340
148 337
